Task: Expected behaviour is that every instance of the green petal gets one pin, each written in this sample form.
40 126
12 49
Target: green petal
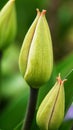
23 58
7 24
51 111
40 59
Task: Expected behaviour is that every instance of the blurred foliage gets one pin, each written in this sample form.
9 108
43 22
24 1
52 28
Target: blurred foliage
25 14
15 91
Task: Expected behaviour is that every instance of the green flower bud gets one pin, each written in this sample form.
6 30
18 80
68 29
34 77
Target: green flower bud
51 111
7 24
36 56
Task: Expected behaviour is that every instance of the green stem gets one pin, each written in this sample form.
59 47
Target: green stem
31 109
1 54
0 64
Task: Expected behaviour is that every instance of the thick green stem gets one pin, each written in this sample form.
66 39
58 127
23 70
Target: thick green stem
31 109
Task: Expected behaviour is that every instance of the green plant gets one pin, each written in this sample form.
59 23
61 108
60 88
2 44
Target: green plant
15 91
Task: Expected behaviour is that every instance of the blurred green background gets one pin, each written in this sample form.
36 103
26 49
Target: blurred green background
15 90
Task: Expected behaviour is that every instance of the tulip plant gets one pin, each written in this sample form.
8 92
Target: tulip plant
36 65
36 59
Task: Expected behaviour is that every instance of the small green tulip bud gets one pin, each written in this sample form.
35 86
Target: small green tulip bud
7 24
36 56
51 111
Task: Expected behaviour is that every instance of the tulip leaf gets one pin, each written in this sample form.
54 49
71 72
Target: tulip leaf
15 111
64 67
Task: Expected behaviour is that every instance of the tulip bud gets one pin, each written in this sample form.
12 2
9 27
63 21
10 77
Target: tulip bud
51 111
36 56
7 24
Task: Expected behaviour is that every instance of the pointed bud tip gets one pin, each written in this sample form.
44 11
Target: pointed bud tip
38 12
43 12
60 80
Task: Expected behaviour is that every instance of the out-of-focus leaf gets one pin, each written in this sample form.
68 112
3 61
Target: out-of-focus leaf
65 19
64 67
13 86
69 91
69 36
19 126
65 14
15 112
10 60
66 125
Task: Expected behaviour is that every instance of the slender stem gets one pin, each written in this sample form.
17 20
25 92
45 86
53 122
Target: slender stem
1 54
31 109
0 64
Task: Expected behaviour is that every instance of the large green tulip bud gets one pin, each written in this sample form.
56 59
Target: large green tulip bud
36 55
51 111
8 24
